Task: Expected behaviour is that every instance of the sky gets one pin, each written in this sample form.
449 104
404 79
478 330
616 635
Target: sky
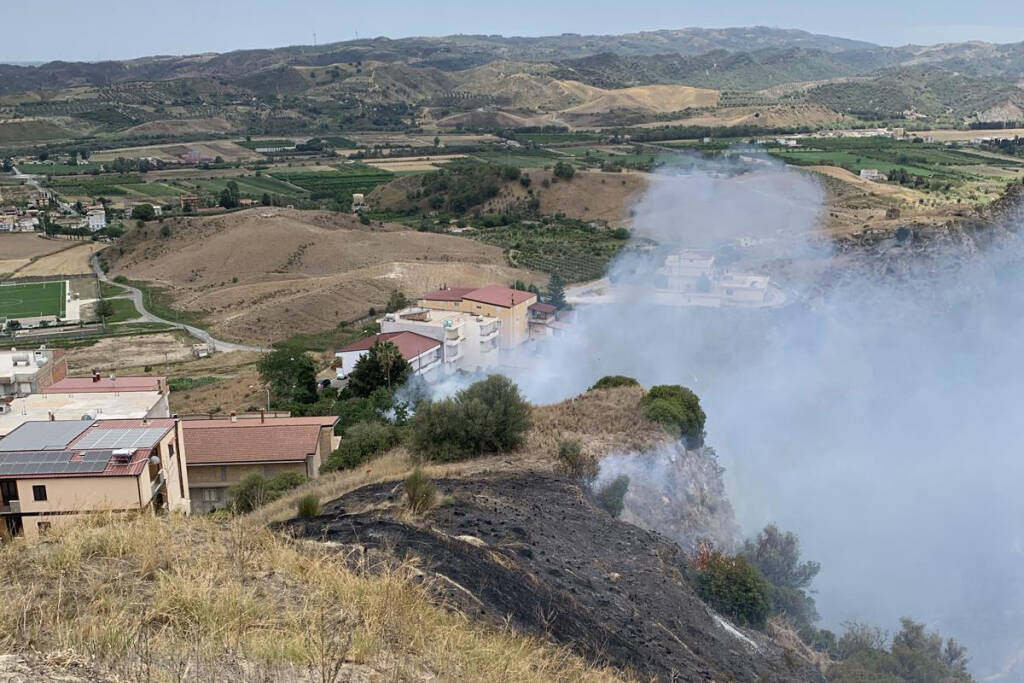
94 30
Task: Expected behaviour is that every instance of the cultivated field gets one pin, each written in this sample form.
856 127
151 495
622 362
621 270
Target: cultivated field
73 260
17 250
265 274
36 299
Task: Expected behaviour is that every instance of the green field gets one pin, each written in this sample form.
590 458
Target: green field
526 158
340 183
32 300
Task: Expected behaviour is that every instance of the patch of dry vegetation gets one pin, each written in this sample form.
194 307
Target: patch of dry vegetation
194 598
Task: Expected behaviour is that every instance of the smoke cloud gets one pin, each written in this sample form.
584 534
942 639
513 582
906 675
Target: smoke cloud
876 415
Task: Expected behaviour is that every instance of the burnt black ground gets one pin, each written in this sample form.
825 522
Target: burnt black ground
555 565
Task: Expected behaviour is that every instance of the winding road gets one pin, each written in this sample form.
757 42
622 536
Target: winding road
137 299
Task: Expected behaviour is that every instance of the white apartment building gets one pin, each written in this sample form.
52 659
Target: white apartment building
469 342
97 220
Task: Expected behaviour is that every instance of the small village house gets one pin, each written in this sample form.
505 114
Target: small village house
468 341
53 470
422 353
223 452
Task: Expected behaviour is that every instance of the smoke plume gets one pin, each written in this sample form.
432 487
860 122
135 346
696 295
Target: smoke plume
876 414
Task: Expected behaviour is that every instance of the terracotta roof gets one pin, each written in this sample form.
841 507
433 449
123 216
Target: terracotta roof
246 422
249 441
409 344
448 294
542 308
496 295
80 385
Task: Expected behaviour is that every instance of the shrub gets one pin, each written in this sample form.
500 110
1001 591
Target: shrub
612 381
733 587
678 408
612 496
255 491
574 462
120 278
487 417
309 506
421 495
361 442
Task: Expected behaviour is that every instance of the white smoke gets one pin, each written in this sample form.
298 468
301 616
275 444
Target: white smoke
879 420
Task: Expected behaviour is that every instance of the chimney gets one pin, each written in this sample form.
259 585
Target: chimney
234 416
263 417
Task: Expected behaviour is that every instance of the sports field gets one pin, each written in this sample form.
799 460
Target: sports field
36 299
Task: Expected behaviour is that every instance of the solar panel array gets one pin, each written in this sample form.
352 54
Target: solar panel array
143 437
45 435
53 462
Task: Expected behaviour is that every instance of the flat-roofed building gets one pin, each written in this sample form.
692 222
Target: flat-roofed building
222 453
126 404
30 371
53 470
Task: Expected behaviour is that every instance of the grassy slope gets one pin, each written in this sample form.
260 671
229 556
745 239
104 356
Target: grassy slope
230 599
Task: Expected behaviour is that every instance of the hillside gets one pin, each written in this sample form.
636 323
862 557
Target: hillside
264 274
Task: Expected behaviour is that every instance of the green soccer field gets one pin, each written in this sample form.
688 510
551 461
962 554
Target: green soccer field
33 300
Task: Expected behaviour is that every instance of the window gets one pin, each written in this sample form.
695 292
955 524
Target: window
38 492
8 490
170 449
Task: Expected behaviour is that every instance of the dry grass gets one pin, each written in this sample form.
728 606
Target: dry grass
603 421
192 598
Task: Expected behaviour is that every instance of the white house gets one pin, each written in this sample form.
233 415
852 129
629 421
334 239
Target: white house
422 353
468 340
871 174
97 220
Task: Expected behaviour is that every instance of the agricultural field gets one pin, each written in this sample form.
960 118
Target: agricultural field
523 158
573 249
33 299
59 169
338 183
73 260
252 187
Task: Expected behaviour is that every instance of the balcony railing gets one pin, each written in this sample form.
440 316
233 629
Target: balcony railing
488 334
158 483
11 506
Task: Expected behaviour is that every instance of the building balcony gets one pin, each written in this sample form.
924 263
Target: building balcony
12 507
452 357
158 483
487 335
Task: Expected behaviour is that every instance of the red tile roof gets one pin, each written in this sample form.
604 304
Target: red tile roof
246 422
409 344
81 385
542 308
220 442
448 294
496 295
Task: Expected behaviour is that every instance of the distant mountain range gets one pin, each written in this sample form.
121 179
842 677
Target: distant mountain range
442 76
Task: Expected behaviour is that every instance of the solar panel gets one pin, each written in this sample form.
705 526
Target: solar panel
50 462
144 437
46 435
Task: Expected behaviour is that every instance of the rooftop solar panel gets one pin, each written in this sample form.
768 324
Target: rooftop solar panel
51 462
47 435
143 437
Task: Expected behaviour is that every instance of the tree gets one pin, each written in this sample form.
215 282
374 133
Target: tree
266 200
396 302
144 212
104 308
291 375
489 416
8 166
678 408
556 292
564 170
776 555
43 156
733 587
382 366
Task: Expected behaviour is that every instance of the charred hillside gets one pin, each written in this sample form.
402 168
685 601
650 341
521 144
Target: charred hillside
531 549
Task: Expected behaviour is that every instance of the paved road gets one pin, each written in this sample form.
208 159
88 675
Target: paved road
137 298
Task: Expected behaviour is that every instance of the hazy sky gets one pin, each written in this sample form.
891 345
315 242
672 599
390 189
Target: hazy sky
116 29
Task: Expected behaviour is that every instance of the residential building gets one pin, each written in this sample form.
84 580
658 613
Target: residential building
29 372
871 174
468 341
192 201
422 353
690 278
97 219
72 399
509 306
542 317
222 453
53 470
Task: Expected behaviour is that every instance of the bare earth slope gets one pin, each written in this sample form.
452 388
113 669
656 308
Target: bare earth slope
265 274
